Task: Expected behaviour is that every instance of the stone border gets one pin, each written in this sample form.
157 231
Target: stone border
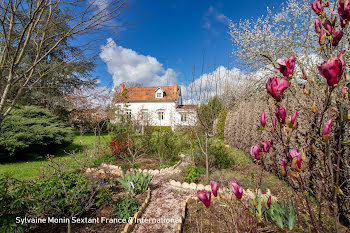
130 225
222 192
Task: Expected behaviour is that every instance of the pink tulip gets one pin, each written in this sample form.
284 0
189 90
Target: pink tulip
255 152
275 86
318 25
294 117
317 7
337 37
333 69
265 145
237 189
326 130
294 155
214 187
263 119
322 37
204 196
269 201
344 9
286 66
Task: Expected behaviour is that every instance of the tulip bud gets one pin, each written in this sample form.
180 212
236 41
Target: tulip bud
326 130
204 196
266 145
263 119
314 107
214 187
283 167
270 141
255 152
304 74
337 37
269 201
282 114
294 117
317 7
296 158
322 37
318 25
274 122
329 28
237 189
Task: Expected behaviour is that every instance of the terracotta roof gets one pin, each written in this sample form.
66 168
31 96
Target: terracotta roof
147 94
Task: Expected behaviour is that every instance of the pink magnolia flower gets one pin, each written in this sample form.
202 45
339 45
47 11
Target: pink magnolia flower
344 9
329 28
333 69
263 119
265 145
270 141
283 167
322 37
255 152
204 196
294 117
318 25
237 189
343 22
326 130
337 37
294 155
281 114
275 86
317 7
214 187
274 122
343 92
269 201
286 66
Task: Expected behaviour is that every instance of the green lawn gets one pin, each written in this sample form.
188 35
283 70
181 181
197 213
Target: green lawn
29 170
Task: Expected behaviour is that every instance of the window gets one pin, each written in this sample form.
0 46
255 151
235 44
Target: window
159 95
128 114
161 115
144 114
183 117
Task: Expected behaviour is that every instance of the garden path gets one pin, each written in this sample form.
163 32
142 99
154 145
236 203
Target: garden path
165 205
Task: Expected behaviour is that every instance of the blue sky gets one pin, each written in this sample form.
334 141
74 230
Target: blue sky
167 38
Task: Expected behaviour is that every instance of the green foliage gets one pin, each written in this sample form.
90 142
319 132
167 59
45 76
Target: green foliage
168 164
15 201
135 183
104 195
32 128
221 124
125 207
66 195
220 156
281 215
192 174
166 144
207 113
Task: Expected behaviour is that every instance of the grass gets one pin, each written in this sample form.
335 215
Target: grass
30 170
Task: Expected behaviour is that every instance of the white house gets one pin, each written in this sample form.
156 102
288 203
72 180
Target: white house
155 106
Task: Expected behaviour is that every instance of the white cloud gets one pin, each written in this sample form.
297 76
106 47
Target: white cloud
126 65
212 15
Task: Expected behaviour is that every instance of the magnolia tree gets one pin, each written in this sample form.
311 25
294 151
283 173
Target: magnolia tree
323 161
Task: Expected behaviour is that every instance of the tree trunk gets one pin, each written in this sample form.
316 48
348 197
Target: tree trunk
206 158
69 230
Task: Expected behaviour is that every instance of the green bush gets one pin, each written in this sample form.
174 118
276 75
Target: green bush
65 195
192 174
220 156
135 183
221 124
32 128
15 201
104 195
125 207
281 215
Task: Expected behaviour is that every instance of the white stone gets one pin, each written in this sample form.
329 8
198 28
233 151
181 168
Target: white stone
162 170
156 172
145 171
207 187
193 186
200 187
172 182
178 184
150 171
88 170
185 185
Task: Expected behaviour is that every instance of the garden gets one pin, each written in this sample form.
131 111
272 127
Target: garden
267 155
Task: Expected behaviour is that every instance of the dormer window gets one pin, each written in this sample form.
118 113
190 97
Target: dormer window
159 93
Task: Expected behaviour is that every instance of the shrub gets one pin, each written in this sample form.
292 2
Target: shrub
192 174
220 156
281 215
125 207
66 195
104 194
221 124
15 201
135 183
32 128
